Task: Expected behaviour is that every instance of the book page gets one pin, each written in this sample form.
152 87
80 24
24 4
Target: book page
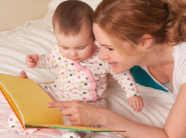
11 103
31 101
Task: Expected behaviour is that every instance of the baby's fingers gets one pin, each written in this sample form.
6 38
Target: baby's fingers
141 105
134 105
131 104
29 59
30 64
137 106
36 57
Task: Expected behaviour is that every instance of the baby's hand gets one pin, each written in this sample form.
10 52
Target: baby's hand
31 60
136 102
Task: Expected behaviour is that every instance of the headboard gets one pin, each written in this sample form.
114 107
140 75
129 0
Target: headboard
17 12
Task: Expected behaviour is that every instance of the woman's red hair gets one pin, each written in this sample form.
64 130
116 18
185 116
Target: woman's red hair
131 19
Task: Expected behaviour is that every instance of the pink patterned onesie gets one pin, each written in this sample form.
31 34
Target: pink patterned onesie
83 81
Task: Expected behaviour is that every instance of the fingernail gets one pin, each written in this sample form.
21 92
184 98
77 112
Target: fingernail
48 105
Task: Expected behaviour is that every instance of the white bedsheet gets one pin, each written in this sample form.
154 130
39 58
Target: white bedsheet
37 37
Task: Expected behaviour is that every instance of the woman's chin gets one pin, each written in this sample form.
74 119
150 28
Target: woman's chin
118 70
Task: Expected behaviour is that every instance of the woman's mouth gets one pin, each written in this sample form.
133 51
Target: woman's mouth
113 64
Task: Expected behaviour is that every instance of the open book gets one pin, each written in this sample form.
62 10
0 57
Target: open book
28 101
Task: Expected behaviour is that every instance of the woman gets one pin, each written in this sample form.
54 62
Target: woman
144 33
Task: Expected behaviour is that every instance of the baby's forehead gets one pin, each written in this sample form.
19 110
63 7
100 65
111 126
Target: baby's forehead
84 32
84 27
81 39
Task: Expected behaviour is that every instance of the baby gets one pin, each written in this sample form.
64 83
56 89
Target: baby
81 74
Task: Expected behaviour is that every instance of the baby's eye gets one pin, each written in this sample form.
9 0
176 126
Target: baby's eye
110 49
65 48
80 48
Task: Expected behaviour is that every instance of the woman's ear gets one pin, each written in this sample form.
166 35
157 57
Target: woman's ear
146 42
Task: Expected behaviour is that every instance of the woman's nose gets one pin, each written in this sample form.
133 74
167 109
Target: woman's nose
103 56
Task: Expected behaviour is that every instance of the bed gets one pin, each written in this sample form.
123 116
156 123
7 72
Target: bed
36 36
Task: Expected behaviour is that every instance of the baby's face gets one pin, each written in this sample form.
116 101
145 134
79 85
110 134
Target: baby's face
76 48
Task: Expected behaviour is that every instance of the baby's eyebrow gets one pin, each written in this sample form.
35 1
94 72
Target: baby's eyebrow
59 45
75 47
82 45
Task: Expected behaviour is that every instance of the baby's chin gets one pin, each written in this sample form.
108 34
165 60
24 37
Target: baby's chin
79 60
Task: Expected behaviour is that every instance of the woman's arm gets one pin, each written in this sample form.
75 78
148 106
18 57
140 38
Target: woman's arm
175 125
90 115
84 114
133 130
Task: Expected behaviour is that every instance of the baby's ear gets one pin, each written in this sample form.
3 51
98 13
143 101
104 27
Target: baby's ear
146 41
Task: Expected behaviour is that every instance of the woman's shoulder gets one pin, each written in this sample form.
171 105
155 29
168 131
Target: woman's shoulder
180 48
179 73
180 55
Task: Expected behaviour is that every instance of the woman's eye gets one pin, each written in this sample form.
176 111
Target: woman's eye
110 49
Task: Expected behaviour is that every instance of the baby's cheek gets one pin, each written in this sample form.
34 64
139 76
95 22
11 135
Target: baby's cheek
65 54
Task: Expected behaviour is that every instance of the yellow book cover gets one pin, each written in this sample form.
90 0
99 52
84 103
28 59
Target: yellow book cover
28 101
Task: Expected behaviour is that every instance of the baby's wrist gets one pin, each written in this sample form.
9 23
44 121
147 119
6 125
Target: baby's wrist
135 95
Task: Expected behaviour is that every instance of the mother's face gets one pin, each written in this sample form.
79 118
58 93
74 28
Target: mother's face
118 62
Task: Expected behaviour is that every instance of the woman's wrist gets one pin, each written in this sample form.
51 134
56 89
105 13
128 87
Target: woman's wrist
104 116
111 120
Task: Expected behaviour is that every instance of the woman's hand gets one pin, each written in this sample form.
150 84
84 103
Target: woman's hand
81 114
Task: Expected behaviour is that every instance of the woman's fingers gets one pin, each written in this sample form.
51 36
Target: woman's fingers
81 114
76 123
56 104
67 112
74 118
62 104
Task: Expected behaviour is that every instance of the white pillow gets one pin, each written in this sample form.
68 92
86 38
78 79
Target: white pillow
54 3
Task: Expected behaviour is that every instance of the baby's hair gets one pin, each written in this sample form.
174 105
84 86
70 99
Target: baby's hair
129 20
72 15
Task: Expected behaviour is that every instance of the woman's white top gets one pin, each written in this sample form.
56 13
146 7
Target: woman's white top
179 73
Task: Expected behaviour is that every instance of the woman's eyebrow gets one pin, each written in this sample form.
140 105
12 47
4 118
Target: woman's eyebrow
106 45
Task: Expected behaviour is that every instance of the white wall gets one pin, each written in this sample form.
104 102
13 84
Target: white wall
17 12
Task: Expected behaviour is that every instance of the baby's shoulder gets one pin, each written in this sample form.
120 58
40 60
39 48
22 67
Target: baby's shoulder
55 53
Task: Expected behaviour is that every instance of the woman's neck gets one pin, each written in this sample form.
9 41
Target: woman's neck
159 56
160 63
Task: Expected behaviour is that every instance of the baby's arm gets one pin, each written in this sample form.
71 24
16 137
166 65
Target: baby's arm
45 61
128 84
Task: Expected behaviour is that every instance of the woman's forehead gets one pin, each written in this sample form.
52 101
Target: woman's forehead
100 36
